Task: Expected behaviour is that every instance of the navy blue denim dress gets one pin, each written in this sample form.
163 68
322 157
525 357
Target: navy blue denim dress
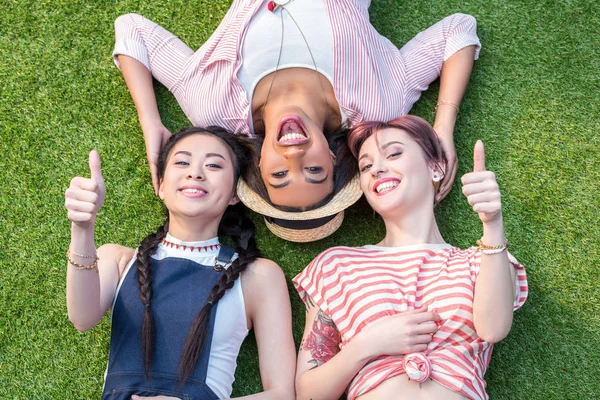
180 290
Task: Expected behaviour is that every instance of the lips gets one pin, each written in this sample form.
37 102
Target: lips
193 191
385 185
291 132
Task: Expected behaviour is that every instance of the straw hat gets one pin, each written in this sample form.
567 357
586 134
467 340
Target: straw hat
304 226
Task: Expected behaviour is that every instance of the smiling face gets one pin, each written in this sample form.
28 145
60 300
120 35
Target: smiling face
395 175
199 177
296 163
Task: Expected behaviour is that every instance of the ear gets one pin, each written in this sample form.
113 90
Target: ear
161 192
333 157
234 200
437 171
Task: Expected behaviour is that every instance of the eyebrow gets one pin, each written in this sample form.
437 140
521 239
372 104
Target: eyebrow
214 155
388 144
309 180
383 147
187 153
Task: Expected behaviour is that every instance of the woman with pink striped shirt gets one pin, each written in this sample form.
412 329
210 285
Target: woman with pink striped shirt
411 317
291 72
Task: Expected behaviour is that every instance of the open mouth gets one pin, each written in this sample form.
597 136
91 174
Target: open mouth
291 132
385 185
193 192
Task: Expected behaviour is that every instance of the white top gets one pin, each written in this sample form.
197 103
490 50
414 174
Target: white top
230 326
262 42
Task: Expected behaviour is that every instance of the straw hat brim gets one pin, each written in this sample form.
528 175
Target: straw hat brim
349 195
307 235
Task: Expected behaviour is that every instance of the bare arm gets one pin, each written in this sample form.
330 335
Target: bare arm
324 372
495 283
139 83
90 291
454 80
268 308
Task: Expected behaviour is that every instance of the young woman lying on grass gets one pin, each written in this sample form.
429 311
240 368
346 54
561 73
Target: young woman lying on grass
412 317
291 73
179 311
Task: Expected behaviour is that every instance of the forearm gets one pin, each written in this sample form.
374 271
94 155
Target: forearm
83 285
330 380
494 289
454 80
139 82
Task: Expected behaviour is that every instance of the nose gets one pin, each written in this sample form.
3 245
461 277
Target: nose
293 152
196 173
378 168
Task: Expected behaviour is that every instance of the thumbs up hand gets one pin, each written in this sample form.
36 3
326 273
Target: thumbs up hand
481 189
85 196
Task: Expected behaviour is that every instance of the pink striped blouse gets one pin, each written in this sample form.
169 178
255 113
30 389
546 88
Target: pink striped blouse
373 80
357 286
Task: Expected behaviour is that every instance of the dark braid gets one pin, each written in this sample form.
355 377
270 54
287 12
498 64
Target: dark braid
144 276
241 229
234 223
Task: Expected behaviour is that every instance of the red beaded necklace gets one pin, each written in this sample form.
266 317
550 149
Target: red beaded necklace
190 248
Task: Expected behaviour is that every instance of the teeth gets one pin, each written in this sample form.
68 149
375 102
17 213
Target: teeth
384 187
193 191
291 136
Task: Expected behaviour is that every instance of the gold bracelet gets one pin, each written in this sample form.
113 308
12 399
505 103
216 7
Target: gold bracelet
489 250
80 255
78 266
483 246
447 103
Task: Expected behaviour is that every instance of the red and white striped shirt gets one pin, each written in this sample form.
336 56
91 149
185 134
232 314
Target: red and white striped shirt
357 286
373 79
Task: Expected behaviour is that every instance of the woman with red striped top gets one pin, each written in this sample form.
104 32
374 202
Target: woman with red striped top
412 317
333 69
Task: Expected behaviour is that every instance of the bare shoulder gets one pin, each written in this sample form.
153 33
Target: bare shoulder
115 254
263 271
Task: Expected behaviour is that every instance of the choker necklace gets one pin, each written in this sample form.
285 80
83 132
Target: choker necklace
198 249
272 6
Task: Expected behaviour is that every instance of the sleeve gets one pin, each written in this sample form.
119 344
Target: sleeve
159 50
310 283
521 287
424 55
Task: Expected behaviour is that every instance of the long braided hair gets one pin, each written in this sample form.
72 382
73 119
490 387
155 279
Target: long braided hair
234 224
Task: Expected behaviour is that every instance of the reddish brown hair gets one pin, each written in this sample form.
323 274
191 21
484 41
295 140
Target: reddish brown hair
416 127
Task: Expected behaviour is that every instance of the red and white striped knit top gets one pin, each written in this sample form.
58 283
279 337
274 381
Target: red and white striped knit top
356 286
373 79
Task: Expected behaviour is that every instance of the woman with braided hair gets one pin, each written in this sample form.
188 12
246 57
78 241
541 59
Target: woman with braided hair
182 303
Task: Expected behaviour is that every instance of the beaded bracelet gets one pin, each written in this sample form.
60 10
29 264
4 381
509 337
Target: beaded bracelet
81 266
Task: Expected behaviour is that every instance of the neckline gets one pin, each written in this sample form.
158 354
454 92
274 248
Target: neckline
203 246
424 246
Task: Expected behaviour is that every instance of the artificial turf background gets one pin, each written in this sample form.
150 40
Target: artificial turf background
534 99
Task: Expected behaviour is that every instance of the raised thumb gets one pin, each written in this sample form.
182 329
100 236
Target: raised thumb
478 157
95 166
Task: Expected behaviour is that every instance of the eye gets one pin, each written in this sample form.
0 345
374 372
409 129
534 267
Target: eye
215 166
314 170
280 174
395 154
181 162
366 167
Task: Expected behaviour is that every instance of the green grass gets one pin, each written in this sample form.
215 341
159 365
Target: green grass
534 99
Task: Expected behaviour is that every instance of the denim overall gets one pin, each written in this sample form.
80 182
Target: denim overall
180 289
